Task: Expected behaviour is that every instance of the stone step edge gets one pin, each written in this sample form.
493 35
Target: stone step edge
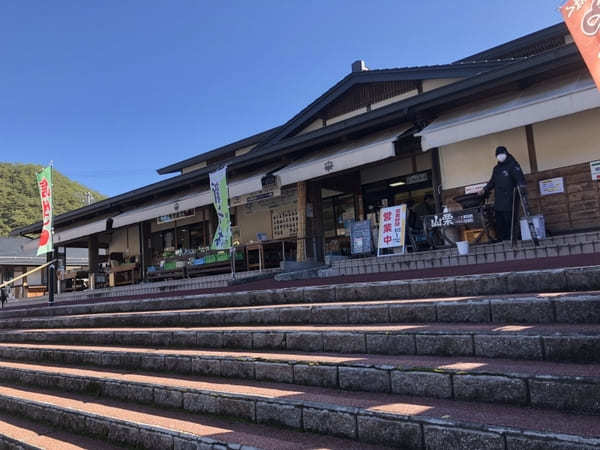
560 392
552 346
528 310
115 430
11 443
347 422
505 283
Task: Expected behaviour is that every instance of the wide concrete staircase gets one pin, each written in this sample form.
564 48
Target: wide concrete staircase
364 366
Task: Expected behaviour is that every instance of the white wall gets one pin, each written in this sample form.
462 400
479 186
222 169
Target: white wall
567 140
471 161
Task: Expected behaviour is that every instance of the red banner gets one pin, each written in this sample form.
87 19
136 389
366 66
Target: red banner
583 20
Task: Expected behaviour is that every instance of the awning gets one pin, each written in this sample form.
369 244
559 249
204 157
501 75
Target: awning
69 234
196 200
544 101
342 157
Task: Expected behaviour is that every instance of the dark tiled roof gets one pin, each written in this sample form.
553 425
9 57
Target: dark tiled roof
20 251
229 148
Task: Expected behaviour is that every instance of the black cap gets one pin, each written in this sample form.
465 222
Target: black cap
501 149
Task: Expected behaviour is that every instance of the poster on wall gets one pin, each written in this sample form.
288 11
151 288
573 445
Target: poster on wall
360 237
552 186
392 228
595 168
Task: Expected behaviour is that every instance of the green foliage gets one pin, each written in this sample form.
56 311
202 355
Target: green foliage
20 198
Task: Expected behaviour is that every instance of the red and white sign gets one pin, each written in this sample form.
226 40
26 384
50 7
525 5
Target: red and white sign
583 20
392 227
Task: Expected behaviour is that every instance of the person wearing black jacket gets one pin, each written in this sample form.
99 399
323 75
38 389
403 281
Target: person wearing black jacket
506 176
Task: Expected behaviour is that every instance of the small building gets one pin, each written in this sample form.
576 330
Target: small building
375 139
18 256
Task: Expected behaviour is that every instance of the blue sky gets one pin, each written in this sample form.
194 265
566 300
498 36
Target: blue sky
112 90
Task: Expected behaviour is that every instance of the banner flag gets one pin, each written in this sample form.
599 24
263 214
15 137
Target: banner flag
44 181
220 198
583 20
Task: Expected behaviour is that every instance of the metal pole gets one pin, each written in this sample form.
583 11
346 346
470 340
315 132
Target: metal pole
51 282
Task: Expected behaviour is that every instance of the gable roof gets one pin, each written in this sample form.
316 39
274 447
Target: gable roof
220 151
455 70
528 45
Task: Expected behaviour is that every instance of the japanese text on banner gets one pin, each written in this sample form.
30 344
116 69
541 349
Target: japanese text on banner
392 226
583 20
220 197
44 181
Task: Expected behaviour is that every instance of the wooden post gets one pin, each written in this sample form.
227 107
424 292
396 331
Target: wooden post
436 179
301 238
92 260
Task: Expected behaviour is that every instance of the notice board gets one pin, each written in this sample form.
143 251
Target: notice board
360 237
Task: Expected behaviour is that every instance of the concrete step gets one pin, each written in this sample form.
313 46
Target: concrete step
577 343
384 419
569 387
564 308
23 434
571 246
505 285
144 426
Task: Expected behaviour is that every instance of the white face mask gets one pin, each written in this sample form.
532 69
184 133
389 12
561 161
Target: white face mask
501 157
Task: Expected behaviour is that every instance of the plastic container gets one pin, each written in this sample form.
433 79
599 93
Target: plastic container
463 247
540 228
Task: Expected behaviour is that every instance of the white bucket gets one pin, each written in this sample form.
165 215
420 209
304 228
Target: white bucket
463 247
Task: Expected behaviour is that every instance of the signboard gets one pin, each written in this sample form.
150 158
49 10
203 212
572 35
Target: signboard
264 194
450 219
475 188
360 237
595 168
552 186
176 216
583 20
417 178
392 228
44 181
220 198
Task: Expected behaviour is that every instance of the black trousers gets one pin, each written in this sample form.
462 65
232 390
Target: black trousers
503 221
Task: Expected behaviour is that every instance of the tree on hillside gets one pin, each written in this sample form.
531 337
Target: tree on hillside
20 199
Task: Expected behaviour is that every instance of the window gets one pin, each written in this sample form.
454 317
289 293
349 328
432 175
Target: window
338 212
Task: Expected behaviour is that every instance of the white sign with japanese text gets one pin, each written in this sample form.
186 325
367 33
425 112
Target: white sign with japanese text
392 228
475 188
552 186
595 168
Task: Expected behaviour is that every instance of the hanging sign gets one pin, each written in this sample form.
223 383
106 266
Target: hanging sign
552 186
595 168
44 181
392 228
176 216
583 20
220 198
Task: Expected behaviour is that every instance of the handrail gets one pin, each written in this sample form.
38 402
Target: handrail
43 266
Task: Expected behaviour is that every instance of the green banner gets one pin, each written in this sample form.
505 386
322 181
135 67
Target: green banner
44 181
220 198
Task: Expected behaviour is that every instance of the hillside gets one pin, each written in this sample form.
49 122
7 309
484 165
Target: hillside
20 199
